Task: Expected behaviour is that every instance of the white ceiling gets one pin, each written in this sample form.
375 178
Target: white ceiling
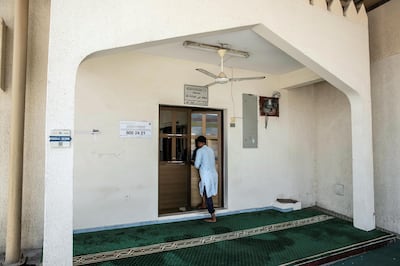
264 57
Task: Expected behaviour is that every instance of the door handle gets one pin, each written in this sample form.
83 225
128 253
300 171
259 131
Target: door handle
176 162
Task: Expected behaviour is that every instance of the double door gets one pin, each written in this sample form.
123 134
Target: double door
178 179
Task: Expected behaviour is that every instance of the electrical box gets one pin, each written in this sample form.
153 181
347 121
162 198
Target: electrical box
250 118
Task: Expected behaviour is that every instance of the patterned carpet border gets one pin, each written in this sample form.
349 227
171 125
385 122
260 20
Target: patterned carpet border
193 242
315 259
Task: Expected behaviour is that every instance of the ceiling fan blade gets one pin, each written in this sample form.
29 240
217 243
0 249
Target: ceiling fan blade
207 73
248 78
212 83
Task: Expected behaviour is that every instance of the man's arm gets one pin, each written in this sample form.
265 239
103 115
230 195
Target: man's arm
197 162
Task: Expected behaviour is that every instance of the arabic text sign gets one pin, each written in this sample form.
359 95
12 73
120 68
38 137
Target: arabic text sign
196 95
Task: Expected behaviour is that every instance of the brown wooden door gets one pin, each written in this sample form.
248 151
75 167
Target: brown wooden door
178 188
209 124
174 163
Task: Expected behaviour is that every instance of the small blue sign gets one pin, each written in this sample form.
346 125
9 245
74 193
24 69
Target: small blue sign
60 138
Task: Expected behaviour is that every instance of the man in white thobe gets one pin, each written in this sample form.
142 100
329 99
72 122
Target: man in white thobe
208 185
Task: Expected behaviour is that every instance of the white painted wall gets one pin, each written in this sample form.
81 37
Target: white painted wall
333 152
386 94
116 179
34 143
74 34
78 29
385 69
304 154
301 143
321 145
5 116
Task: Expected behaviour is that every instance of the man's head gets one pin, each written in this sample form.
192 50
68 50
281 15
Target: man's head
201 140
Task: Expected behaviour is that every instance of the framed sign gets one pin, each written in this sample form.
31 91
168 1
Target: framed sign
196 95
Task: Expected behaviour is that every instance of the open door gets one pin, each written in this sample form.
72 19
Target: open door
174 163
178 179
209 124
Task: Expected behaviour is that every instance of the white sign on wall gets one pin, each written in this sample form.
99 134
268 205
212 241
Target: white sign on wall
196 95
60 138
135 129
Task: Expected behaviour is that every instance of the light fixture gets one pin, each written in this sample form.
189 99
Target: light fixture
215 48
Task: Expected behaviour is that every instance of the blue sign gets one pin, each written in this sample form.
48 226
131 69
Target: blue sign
60 138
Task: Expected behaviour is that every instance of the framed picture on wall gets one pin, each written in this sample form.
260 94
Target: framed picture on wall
269 106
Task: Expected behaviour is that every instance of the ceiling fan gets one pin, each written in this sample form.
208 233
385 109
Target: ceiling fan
222 78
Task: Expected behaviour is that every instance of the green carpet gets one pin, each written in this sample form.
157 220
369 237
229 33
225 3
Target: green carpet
388 256
267 249
88 243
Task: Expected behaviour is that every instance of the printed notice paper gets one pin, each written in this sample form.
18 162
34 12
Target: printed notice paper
135 129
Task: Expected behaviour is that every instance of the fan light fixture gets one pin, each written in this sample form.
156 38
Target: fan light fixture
222 78
215 48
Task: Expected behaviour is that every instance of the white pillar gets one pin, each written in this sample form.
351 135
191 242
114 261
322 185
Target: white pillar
58 200
363 170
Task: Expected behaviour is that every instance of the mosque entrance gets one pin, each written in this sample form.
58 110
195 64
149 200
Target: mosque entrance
178 179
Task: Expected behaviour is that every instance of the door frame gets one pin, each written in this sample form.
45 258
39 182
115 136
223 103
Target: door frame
221 154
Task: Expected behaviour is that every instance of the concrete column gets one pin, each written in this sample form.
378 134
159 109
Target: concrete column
363 169
13 241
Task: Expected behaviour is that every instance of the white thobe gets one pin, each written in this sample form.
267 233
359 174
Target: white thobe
205 162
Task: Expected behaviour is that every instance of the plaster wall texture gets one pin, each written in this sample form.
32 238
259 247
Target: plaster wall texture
384 31
386 115
333 152
78 29
385 69
114 176
33 177
323 116
301 143
298 78
6 12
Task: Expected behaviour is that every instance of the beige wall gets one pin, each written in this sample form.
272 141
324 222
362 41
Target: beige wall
304 154
301 142
77 30
325 119
32 213
385 76
385 47
6 12
333 152
114 177
384 31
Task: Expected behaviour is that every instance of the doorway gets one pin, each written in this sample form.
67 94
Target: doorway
178 189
